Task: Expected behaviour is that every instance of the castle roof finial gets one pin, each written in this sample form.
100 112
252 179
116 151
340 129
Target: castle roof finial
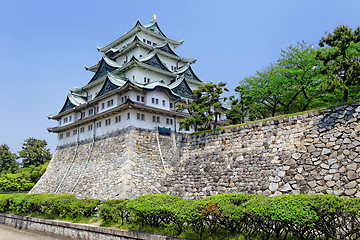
154 18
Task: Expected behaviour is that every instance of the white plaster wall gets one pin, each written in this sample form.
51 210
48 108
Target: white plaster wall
105 102
158 95
140 73
143 36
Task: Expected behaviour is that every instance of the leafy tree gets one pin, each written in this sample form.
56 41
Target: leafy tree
34 152
238 107
292 84
205 109
341 58
7 159
299 73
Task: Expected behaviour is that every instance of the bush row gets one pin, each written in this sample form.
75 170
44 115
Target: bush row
298 216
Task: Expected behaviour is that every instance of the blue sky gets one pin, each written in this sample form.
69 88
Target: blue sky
45 44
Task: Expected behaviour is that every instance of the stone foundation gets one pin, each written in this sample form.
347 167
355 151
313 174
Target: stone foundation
125 164
311 153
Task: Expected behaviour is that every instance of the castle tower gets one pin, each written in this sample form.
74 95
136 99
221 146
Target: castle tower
137 83
109 141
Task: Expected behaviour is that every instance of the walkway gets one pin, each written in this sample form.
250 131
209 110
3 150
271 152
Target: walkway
9 233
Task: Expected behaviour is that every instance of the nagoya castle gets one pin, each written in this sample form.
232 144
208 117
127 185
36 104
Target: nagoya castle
122 119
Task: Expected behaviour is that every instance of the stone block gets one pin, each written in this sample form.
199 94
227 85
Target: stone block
351 175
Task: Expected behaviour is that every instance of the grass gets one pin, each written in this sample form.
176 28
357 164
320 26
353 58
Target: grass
330 106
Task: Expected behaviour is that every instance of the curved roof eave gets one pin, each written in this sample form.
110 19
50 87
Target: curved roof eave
135 62
185 68
138 27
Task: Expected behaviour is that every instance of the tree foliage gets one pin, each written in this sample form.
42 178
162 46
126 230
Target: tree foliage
34 152
7 159
300 79
222 216
341 58
205 110
22 179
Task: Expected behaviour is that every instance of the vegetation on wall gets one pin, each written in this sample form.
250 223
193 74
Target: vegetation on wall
206 108
224 216
303 78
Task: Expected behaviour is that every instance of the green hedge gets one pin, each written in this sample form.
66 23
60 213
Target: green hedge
298 216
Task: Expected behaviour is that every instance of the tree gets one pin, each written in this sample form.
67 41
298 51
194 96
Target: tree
298 71
290 85
205 109
34 152
7 159
341 58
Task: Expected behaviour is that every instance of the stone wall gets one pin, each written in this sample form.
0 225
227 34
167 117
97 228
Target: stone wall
125 164
77 231
312 153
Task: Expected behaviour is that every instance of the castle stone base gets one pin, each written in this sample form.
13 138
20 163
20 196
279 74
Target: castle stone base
311 153
124 164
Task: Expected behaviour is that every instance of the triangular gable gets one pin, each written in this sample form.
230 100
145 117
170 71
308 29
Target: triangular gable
166 48
102 70
108 86
114 51
183 90
67 105
155 28
156 62
189 73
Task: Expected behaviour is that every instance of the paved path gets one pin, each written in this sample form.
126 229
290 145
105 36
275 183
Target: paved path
9 233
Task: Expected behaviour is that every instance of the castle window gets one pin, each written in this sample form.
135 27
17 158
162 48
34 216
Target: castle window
138 115
157 101
91 111
154 44
107 122
67 134
118 119
110 102
158 119
167 121
98 124
133 78
143 117
163 102
140 55
128 115
74 132
172 68
144 40
65 120
144 79
152 100
154 119
171 105
82 129
138 98
82 115
70 118
122 99
171 121
142 99
148 42
102 106
61 135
